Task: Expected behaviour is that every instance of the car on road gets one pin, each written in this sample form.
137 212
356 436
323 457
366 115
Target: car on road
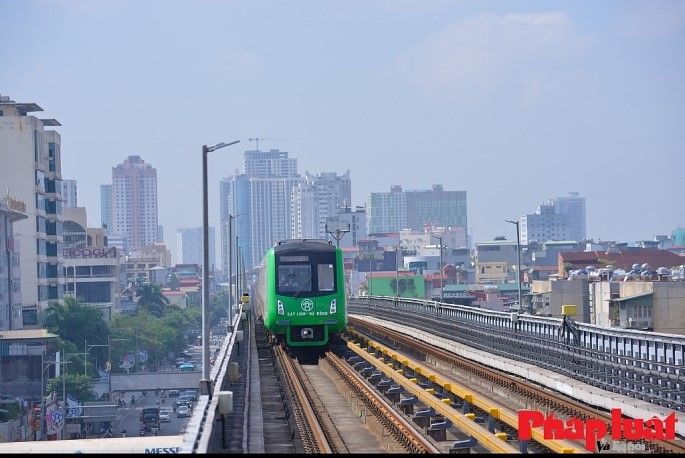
164 416
182 411
184 400
192 394
174 393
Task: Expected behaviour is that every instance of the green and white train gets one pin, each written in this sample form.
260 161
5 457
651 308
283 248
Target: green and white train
300 292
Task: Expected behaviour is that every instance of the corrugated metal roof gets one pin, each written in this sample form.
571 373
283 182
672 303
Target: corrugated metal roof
26 334
635 296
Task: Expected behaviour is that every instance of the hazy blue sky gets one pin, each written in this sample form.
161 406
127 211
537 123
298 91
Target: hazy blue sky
515 102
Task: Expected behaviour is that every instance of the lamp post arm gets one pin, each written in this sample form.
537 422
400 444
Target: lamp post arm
205 382
518 254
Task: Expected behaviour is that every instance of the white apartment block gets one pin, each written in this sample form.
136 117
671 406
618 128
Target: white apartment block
417 210
270 212
32 173
69 193
317 199
562 218
272 177
386 211
234 199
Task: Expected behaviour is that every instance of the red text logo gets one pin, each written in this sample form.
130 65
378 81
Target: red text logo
593 429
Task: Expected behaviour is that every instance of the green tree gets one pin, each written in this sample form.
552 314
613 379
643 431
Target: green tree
12 411
218 307
152 299
157 336
77 385
79 324
173 282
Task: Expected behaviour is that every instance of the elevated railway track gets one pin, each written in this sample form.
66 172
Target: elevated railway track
433 360
204 430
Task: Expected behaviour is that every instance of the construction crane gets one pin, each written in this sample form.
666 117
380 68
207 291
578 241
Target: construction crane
265 139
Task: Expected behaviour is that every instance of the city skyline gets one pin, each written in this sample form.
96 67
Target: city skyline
514 103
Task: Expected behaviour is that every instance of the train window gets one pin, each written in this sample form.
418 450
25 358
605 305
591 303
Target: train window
326 275
294 277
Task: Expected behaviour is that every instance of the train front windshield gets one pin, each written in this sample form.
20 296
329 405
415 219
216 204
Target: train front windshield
308 275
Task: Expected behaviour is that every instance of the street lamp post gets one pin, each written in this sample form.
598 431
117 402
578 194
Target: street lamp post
64 389
518 252
238 273
44 366
441 284
231 253
86 349
109 363
397 273
42 396
205 382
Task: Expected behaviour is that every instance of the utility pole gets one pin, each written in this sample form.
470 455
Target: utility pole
338 233
441 284
518 252
397 273
205 383
230 272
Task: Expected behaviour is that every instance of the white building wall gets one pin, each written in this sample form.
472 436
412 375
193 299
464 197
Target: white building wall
26 167
386 211
69 193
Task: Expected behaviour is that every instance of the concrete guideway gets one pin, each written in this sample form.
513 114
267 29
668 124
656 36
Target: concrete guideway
484 437
495 410
133 444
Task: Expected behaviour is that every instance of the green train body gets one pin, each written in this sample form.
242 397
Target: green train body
301 292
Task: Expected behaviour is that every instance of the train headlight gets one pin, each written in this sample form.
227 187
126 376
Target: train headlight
334 306
280 309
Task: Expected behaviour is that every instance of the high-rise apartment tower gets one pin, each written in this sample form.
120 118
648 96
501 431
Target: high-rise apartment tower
134 202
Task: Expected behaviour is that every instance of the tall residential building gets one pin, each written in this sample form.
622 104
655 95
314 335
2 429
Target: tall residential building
386 211
436 207
272 178
272 202
32 173
106 207
234 199
398 210
315 200
189 246
134 202
560 219
69 193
